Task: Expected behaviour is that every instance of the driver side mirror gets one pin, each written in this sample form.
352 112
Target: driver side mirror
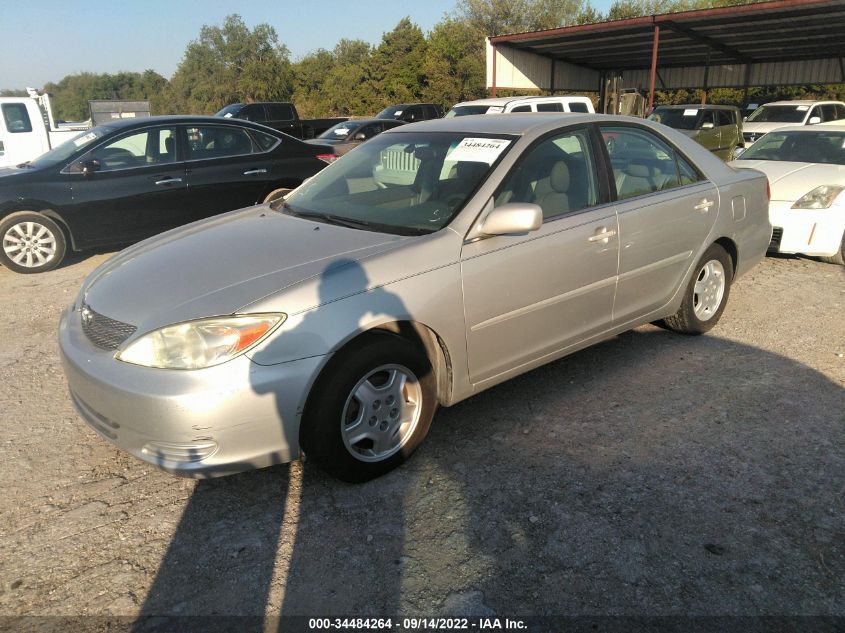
707 125
514 218
360 136
737 152
814 120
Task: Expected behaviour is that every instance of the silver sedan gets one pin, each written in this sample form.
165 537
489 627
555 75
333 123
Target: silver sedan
433 262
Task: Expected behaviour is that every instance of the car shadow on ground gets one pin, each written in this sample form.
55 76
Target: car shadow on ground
652 474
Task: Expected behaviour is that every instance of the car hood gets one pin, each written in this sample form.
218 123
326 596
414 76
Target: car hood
789 181
218 266
759 129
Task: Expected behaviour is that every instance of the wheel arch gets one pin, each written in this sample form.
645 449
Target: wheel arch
730 246
47 210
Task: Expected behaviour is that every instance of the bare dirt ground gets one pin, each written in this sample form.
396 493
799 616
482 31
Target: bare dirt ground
653 474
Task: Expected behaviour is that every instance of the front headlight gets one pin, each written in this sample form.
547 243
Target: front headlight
819 198
201 343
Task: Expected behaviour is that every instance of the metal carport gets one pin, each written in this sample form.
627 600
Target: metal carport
785 42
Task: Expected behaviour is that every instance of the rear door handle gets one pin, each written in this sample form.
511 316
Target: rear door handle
168 181
253 172
602 235
704 205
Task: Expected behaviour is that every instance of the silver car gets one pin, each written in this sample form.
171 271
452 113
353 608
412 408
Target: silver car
433 262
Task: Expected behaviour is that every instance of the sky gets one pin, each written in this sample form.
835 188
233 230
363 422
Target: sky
45 40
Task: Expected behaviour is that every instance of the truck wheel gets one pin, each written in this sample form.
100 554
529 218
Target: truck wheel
370 408
707 294
32 243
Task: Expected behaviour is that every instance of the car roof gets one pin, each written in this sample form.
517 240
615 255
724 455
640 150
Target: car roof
835 126
799 102
698 106
501 101
176 119
511 124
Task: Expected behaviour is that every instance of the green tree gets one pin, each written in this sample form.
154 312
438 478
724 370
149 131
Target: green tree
228 64
396 67
70 96
455 64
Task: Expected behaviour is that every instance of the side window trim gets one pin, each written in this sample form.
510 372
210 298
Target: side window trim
676 154
253 143
114 139
598 166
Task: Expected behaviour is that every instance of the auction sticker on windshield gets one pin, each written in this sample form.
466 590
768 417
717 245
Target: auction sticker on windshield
79 142
478 150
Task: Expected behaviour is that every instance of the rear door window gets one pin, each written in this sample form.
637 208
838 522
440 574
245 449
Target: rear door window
217 141
16 118
550 107
577 106
522 108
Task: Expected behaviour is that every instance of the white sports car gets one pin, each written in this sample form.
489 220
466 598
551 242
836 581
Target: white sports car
806 171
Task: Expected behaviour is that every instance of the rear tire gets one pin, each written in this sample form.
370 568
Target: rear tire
31 243
838 258
370 408
707 294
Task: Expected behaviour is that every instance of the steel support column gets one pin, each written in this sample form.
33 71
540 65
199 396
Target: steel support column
653 72
493 88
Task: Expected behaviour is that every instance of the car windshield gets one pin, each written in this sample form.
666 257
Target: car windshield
230 110
401 183
799 147
340 131
391 112
467 109
67 149
678 118
779 114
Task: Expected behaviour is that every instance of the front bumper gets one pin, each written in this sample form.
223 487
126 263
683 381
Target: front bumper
199 423
807 231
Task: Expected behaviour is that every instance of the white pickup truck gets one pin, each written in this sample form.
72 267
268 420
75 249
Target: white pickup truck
27 128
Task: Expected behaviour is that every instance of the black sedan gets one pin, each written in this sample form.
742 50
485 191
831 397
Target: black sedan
349 134
128 180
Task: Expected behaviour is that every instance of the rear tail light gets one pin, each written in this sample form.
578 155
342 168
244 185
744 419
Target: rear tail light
327 158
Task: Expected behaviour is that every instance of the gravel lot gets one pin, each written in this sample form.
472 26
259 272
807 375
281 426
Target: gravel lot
653 474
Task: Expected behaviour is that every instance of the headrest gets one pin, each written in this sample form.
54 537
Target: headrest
559 178
638 171
168 144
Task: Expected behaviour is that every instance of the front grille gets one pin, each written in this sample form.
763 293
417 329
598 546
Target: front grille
777 234
102 331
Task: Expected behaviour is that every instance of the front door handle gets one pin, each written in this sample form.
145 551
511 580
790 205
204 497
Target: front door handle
253 172
704 205
602 235
168 181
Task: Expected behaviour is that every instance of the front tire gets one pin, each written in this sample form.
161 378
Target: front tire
707 294
837 258
31 243
370 408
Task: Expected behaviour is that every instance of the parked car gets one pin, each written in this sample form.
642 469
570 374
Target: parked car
806 171
337 320
771 116
716 127
134 178
499 105
349 134
279 115
411 112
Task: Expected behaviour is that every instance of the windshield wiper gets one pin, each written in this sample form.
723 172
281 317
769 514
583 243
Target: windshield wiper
24 164
329 218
